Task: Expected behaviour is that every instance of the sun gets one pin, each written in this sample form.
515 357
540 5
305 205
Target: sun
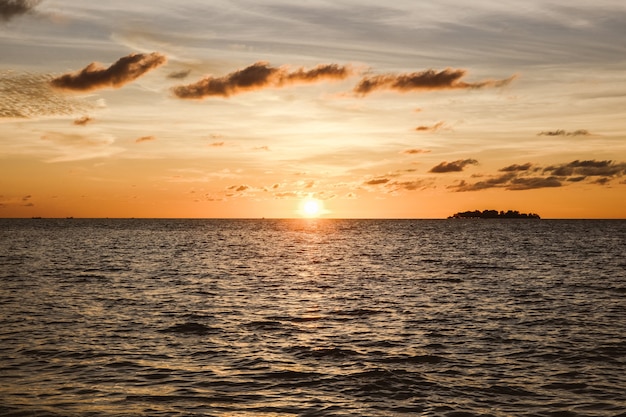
311 207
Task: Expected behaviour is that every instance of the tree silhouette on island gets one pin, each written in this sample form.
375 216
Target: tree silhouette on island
493 214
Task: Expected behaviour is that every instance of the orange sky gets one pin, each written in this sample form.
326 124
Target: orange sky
246 109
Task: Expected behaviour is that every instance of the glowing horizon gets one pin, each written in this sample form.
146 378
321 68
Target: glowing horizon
413 110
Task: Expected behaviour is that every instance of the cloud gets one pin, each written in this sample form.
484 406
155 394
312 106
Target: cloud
179 75
510 182
286 194
236 189
74 147
83 121
414 151
76 140
145 139
12 8
257 76
455 166
482 185
26 95
530 183
427 80
602 181
377 181
516 167
561 132
217 144
408 185
432 128
94 76
606 168
522 177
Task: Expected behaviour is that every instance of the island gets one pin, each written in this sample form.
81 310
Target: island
493 214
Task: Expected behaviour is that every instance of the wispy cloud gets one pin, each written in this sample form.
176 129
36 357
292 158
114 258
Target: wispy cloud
13 8
561 132
286 194
446 79
454 166
95 76
74 147
257 76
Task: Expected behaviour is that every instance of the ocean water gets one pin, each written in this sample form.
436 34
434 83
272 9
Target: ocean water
453 318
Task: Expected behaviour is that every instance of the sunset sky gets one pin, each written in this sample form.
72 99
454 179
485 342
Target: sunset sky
403 109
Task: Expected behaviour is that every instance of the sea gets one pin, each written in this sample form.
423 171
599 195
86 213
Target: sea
312 317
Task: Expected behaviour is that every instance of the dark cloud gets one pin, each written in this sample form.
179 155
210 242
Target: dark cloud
257 76
515 167
238 188
13 8
588 168
94 76
561 132
454 166
483 185
217 144
522 177
432 128
83 121
377 181
145 139
446 79
534 182
415 151
179 75
509 181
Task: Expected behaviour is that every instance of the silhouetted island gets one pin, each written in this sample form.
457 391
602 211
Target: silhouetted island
494 214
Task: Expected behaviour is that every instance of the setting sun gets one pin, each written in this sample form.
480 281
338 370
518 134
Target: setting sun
311 208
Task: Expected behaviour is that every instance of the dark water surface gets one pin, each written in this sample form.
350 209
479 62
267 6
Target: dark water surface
312 318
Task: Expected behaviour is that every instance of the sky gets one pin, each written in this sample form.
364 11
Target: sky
256 108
